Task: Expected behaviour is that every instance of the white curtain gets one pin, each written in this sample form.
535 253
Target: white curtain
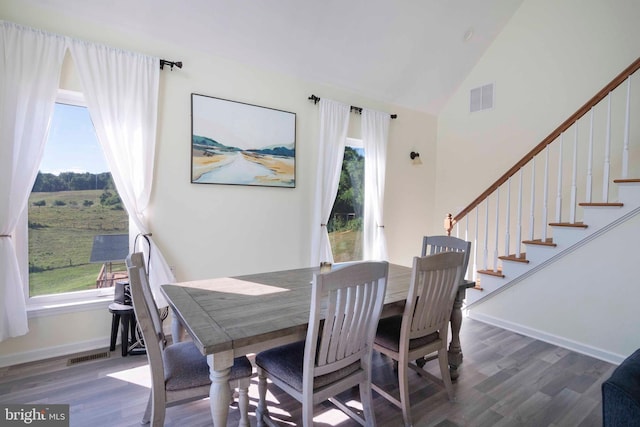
121 90
375 132
334 123
30 64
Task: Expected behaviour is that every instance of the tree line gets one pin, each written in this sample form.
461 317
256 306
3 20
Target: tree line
73 181
347 208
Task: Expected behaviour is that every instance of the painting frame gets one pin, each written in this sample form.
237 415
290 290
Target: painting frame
236 143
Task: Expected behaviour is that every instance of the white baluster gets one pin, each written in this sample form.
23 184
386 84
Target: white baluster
545 195
485 264
466 228
574 177
507 222
533 199
466 237
559 191
519 226
475 249
625 149
590 160
495 251
607 155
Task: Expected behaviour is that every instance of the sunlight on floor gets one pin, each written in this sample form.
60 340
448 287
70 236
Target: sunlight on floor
329 416
332 417
139 376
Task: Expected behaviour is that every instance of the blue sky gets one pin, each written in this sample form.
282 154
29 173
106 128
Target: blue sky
72 145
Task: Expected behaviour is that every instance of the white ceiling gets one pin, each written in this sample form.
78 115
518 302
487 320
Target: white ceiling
411 53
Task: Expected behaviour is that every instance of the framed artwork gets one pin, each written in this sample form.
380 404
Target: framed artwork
242 144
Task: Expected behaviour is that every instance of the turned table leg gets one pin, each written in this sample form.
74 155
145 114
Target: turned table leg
455 351
220 394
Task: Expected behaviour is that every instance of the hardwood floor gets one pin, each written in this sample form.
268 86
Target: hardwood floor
506 380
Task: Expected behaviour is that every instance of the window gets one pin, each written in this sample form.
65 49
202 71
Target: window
345 222
73 200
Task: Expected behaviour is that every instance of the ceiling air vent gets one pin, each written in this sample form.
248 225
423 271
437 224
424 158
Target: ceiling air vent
481 98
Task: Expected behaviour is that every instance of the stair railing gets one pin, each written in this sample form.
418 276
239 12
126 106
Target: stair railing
583 138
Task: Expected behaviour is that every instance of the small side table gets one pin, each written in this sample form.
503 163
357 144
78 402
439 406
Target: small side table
126 315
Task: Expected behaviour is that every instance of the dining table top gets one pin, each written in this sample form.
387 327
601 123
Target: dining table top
242 313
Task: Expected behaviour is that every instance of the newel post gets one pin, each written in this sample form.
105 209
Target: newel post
448 224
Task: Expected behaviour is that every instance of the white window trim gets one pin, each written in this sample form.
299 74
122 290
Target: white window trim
354 143
62 303
70 97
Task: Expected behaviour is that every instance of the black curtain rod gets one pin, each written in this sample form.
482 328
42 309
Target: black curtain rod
357 110
164 62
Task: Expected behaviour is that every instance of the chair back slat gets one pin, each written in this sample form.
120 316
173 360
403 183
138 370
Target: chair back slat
148 318
137 260
345 308
432 245
432 291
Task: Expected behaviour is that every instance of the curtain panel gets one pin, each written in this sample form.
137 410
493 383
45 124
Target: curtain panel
121 90
124 110
334 123
30 64
375 133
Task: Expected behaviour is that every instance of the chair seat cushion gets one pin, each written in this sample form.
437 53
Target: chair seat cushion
286 363
185 367
388 335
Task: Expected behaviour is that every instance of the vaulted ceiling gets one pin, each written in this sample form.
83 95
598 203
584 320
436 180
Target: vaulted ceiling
412 53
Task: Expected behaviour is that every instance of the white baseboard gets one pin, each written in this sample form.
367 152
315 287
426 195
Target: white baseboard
55 351
578 347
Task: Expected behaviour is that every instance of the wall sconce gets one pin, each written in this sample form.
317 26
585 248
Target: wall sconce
415 158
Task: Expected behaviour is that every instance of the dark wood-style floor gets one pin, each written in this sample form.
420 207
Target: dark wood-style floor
506 380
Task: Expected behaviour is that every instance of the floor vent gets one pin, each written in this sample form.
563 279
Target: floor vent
88 358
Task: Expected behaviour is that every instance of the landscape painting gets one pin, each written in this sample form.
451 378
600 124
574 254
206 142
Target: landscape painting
242 144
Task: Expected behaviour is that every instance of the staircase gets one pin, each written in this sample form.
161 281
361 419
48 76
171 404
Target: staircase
598 219
560 195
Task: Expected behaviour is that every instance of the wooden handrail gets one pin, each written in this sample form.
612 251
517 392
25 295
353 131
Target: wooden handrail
617 81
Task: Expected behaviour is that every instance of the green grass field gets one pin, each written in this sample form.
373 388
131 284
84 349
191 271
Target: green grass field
346 245
61 236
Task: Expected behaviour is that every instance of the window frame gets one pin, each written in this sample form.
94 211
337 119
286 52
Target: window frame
66 302
354 143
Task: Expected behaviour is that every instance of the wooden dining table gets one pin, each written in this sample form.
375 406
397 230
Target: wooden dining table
234 316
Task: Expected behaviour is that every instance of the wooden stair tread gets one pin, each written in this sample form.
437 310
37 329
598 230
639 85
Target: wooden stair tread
478 286
513 257
547 242
615 205
626 180
568 224
492 273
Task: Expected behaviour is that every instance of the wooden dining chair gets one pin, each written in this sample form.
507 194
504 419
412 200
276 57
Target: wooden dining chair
179 372
345 308
436 244
423 327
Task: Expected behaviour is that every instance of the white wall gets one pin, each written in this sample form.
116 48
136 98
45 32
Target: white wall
547 62
550 59
216 230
